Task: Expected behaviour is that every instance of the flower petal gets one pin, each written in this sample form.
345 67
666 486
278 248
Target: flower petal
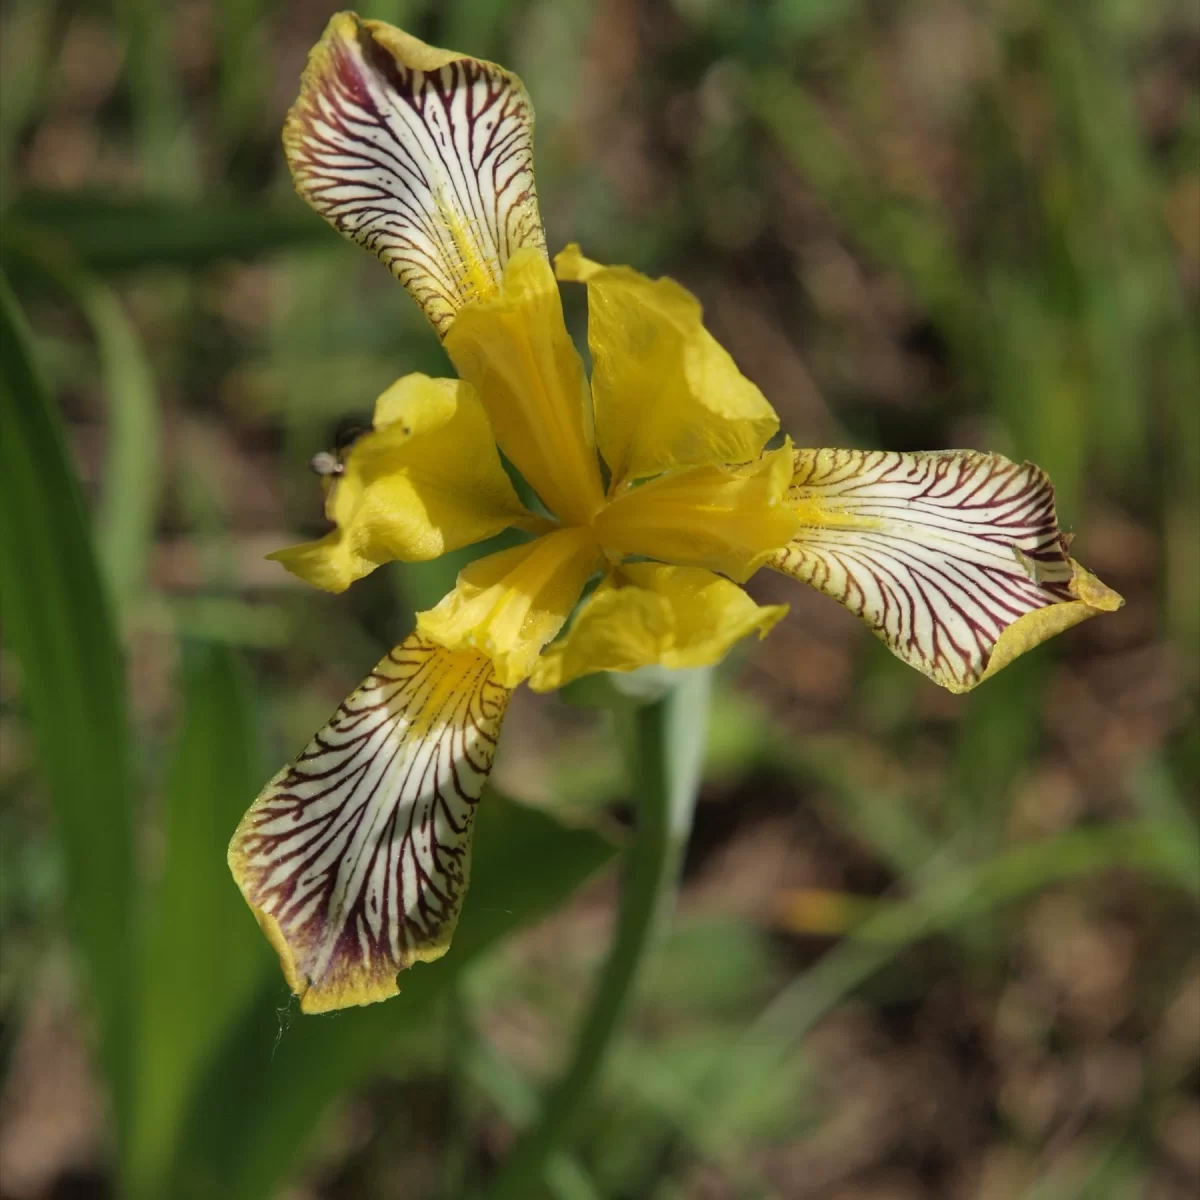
356 857
422 155
953 558
516 351
727 519
675 617
426 481
509 605
666 393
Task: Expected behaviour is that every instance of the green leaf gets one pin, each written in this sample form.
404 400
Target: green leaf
107 233
129 508
132 468
164 139
203 960
277 1074
56 621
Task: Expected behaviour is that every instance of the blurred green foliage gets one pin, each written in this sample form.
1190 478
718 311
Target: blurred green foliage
919 226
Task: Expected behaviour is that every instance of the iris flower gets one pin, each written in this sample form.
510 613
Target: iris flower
653 477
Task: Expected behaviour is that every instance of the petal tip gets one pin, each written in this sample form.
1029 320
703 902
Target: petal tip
570 265
422 155
1086 587
953 558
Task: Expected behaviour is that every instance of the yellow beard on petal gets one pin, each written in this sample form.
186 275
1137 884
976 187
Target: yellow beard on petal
477 275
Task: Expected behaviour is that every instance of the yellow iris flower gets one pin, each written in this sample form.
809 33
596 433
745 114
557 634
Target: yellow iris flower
356 856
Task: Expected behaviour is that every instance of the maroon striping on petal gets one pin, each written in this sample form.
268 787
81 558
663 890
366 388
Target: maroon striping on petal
359 851
938 553
430 170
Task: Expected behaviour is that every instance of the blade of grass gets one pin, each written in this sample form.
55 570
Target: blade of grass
26 53
460 1120
949 898
517 1103
276 1075
107 233
132 469
883 817
909 239
203 962
57 623
1161 801
129 507
710 1115
164 140
666 759
242 91
995 737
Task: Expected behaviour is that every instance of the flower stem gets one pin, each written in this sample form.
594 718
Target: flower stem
666 760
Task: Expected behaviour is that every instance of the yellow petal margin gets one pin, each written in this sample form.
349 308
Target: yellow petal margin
953 558
509 605
666 394
421 155
356 857
730 520
426 481
648 613
515 349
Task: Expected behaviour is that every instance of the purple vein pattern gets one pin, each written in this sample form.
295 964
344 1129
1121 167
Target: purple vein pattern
359 851
939 553
432 171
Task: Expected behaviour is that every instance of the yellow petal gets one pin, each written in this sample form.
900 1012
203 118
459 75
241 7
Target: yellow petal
1089 597
665 392
427 480
647 613
509 605
422 155
730 520
953 558
516 351
356 856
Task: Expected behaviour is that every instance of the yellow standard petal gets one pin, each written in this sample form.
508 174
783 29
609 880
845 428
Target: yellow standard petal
666 393
509 605
355 858
515 350
730 520
647 613
953 558
422 155
428 479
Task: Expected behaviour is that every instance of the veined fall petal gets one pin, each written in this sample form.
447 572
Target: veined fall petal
355 858
514 348
953 558
726 519
422 155
427 480
651 613
666 393
510 604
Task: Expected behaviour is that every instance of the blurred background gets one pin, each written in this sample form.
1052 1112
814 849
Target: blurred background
926 946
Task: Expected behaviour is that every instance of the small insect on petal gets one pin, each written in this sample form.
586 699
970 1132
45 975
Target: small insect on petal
324 463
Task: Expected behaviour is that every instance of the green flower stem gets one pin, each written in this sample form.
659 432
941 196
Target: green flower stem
666 757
